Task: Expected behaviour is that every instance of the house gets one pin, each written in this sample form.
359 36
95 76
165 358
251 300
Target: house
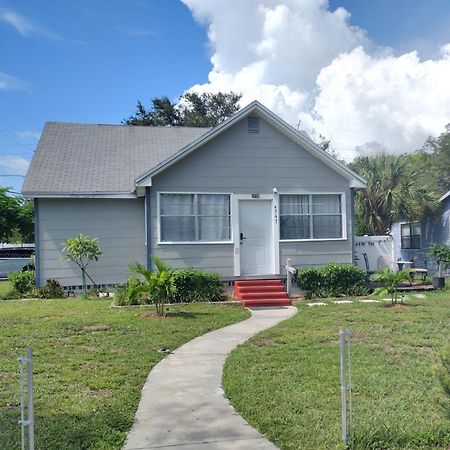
238 199
412 239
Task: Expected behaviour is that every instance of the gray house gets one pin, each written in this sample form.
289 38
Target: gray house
412 239
238 199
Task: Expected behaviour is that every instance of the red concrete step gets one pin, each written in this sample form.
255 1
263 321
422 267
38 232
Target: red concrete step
266 302
258 295
258 283
259 288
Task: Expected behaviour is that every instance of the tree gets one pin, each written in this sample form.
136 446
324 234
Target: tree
441 254
395 191
81 250
158 286
439 151
16 217
389 281
192 110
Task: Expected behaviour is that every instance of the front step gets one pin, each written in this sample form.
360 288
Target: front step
256 293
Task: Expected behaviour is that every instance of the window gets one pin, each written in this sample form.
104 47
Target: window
411 235
311 216
195 217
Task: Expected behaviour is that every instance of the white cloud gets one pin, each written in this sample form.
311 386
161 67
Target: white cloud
10 83
14 165
137 32
33 135
25 26
308 63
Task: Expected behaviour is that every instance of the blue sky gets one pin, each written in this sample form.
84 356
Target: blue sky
80 61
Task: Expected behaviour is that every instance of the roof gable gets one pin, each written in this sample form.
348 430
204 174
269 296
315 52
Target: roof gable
256 108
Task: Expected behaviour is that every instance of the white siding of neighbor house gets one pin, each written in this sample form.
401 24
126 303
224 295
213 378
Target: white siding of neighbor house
118 224
243 163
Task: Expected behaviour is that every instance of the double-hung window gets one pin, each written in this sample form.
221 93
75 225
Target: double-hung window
311 216
410 235
195 217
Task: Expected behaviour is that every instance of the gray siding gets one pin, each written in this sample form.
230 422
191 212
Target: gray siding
118 224
243 163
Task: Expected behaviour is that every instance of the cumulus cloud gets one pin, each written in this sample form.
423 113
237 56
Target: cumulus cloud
10 83
14 165
310 65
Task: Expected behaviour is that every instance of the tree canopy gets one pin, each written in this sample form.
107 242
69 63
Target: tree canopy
192 110
16 218
396 190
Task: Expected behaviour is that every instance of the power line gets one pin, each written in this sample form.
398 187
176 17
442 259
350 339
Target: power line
15 140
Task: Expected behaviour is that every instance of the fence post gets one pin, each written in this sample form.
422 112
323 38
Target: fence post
343 386
30 398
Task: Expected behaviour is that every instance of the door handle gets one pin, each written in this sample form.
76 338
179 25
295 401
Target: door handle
242 237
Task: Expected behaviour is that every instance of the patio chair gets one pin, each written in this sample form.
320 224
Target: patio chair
368 271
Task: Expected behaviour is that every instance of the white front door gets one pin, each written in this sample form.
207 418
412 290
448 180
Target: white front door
256 237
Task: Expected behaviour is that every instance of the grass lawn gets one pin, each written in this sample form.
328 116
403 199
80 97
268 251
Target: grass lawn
90 362
285 381
5 289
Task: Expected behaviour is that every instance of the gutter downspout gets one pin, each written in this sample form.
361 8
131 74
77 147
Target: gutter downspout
352 220
148 228
37 264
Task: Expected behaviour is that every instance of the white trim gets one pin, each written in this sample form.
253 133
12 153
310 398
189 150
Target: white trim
444 196
158 225
235 198
354 179
80 195
343 216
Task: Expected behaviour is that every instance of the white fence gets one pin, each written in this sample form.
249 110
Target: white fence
378 251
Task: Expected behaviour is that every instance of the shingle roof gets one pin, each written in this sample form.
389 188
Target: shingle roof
78 158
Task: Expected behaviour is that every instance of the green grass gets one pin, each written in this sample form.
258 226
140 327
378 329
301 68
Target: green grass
90 362
5 289
285 381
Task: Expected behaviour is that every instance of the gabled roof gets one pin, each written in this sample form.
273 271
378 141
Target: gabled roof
447 195
256 108
73 159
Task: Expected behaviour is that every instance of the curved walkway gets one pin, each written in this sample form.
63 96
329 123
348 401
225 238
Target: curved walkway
183 406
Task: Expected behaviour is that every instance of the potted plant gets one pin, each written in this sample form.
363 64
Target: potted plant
441 254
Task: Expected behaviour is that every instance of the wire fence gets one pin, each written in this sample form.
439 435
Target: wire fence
391 397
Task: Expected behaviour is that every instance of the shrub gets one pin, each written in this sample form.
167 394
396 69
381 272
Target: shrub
129 293
22 282
312 282
52 289
344 279
333 280
193 285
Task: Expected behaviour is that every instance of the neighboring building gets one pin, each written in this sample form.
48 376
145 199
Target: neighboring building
412 239
238 199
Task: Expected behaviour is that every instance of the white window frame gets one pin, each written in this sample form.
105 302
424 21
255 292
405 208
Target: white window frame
158 206
343 216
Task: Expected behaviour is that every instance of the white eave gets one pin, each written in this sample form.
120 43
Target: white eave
31 195
444 196
355 181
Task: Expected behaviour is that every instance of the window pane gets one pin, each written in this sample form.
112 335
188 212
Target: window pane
213 205
214 228
326 204
415 228
405 230
295 227
294 204
327 227
415 242
175 229
406 242
177 204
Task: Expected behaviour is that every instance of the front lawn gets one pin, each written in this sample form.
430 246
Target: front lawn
285 381
5 289
90 362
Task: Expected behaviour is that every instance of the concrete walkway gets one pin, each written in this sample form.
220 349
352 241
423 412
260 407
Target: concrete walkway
183 406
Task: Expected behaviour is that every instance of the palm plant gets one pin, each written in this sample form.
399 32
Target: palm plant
393 193
441 254
159 287
389 281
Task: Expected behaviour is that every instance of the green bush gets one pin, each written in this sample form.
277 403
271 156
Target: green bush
333 280
193 285
22 282
52 289
129 293
312 282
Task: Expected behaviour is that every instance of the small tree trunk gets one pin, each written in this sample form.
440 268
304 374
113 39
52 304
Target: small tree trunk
83 281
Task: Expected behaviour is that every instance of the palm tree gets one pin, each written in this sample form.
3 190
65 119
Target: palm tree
395 191
389 281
